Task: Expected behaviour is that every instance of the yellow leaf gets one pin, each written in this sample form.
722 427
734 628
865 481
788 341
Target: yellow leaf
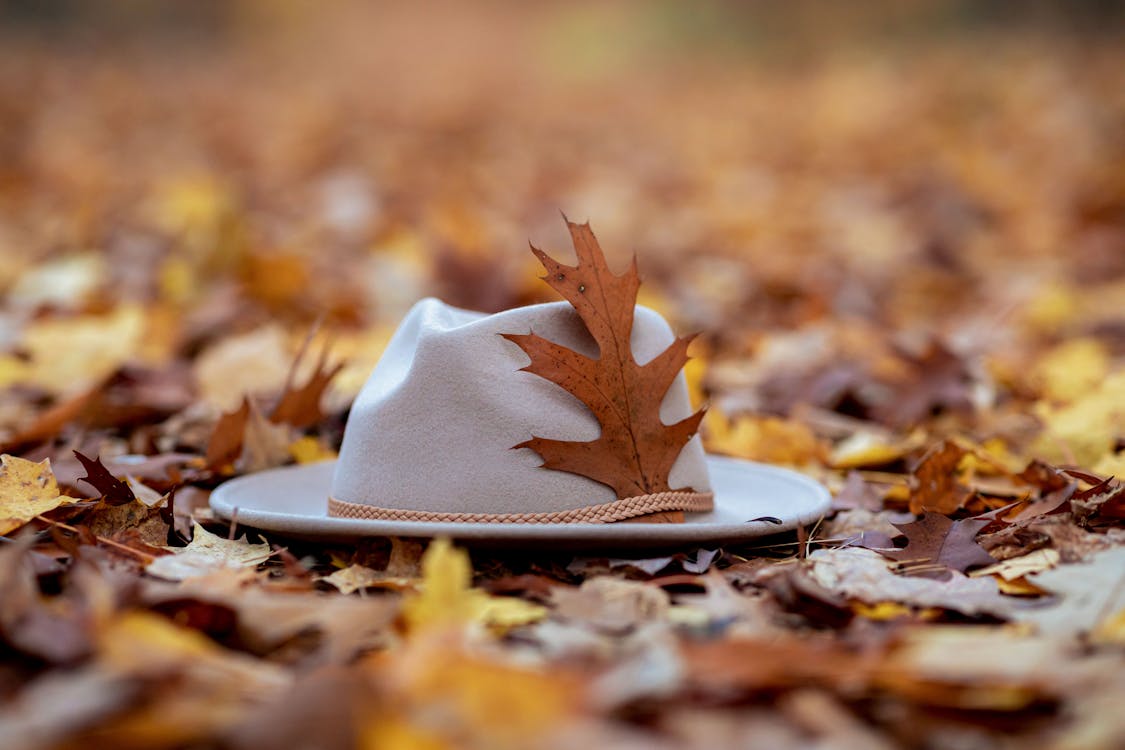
865 449
1111 464
196 688
1086 429
395 733
1018 587
763 438
194 204
990 458
695 371
27 489
309 450
1052 307
1072 369
360 352
447 596
892 611
439 690
139 641
67 354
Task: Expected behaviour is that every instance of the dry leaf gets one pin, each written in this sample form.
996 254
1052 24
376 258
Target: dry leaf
300 406
225 444
864 575
636 450
937 541
447 597
208 554
112 490
357 578
27 489
1087 593
937 488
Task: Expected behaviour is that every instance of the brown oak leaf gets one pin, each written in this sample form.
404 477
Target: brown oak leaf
113 490
936 487
635 451
937 543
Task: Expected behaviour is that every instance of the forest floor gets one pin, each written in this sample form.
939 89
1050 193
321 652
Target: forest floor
907 266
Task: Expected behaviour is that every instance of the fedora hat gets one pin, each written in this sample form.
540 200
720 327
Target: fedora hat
440 442
548 424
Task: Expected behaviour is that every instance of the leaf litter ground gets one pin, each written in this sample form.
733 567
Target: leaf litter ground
915 301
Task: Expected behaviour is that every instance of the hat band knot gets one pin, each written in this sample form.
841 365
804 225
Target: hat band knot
618 510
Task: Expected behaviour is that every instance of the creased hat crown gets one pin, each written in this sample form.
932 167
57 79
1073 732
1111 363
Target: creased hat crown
432 431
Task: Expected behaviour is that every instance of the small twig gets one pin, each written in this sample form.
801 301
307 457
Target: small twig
812 535
912 561
233 524
100 539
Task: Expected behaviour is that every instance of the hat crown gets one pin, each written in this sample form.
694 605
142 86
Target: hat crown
433 428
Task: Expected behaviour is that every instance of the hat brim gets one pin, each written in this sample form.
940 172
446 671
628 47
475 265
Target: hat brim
751 500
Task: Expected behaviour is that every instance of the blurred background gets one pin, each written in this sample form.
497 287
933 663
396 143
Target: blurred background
842 179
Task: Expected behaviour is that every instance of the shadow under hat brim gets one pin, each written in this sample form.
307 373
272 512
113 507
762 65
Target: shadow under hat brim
751 500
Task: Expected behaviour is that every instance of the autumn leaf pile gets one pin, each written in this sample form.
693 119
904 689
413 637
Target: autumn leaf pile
907 262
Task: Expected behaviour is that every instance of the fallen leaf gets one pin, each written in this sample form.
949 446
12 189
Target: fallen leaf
1086 429
33 720
447 597
357 578
265 444
864 575
67 356
769 439
254 363
27 489
865 449
857 494
936 486
299 406
1017 567
225 444
611 604
206 554
635 451
310 450
113 491
1072 369
1086 594
936 540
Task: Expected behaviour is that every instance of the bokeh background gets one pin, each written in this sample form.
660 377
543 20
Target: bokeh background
801 181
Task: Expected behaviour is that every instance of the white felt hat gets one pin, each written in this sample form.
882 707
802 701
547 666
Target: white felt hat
428 450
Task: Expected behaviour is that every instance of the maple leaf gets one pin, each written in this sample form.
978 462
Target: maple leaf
27 489
635 451
208 554
113 491
448 597
938 540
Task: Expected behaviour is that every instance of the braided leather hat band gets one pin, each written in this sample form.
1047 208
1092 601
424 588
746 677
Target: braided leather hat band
618 510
